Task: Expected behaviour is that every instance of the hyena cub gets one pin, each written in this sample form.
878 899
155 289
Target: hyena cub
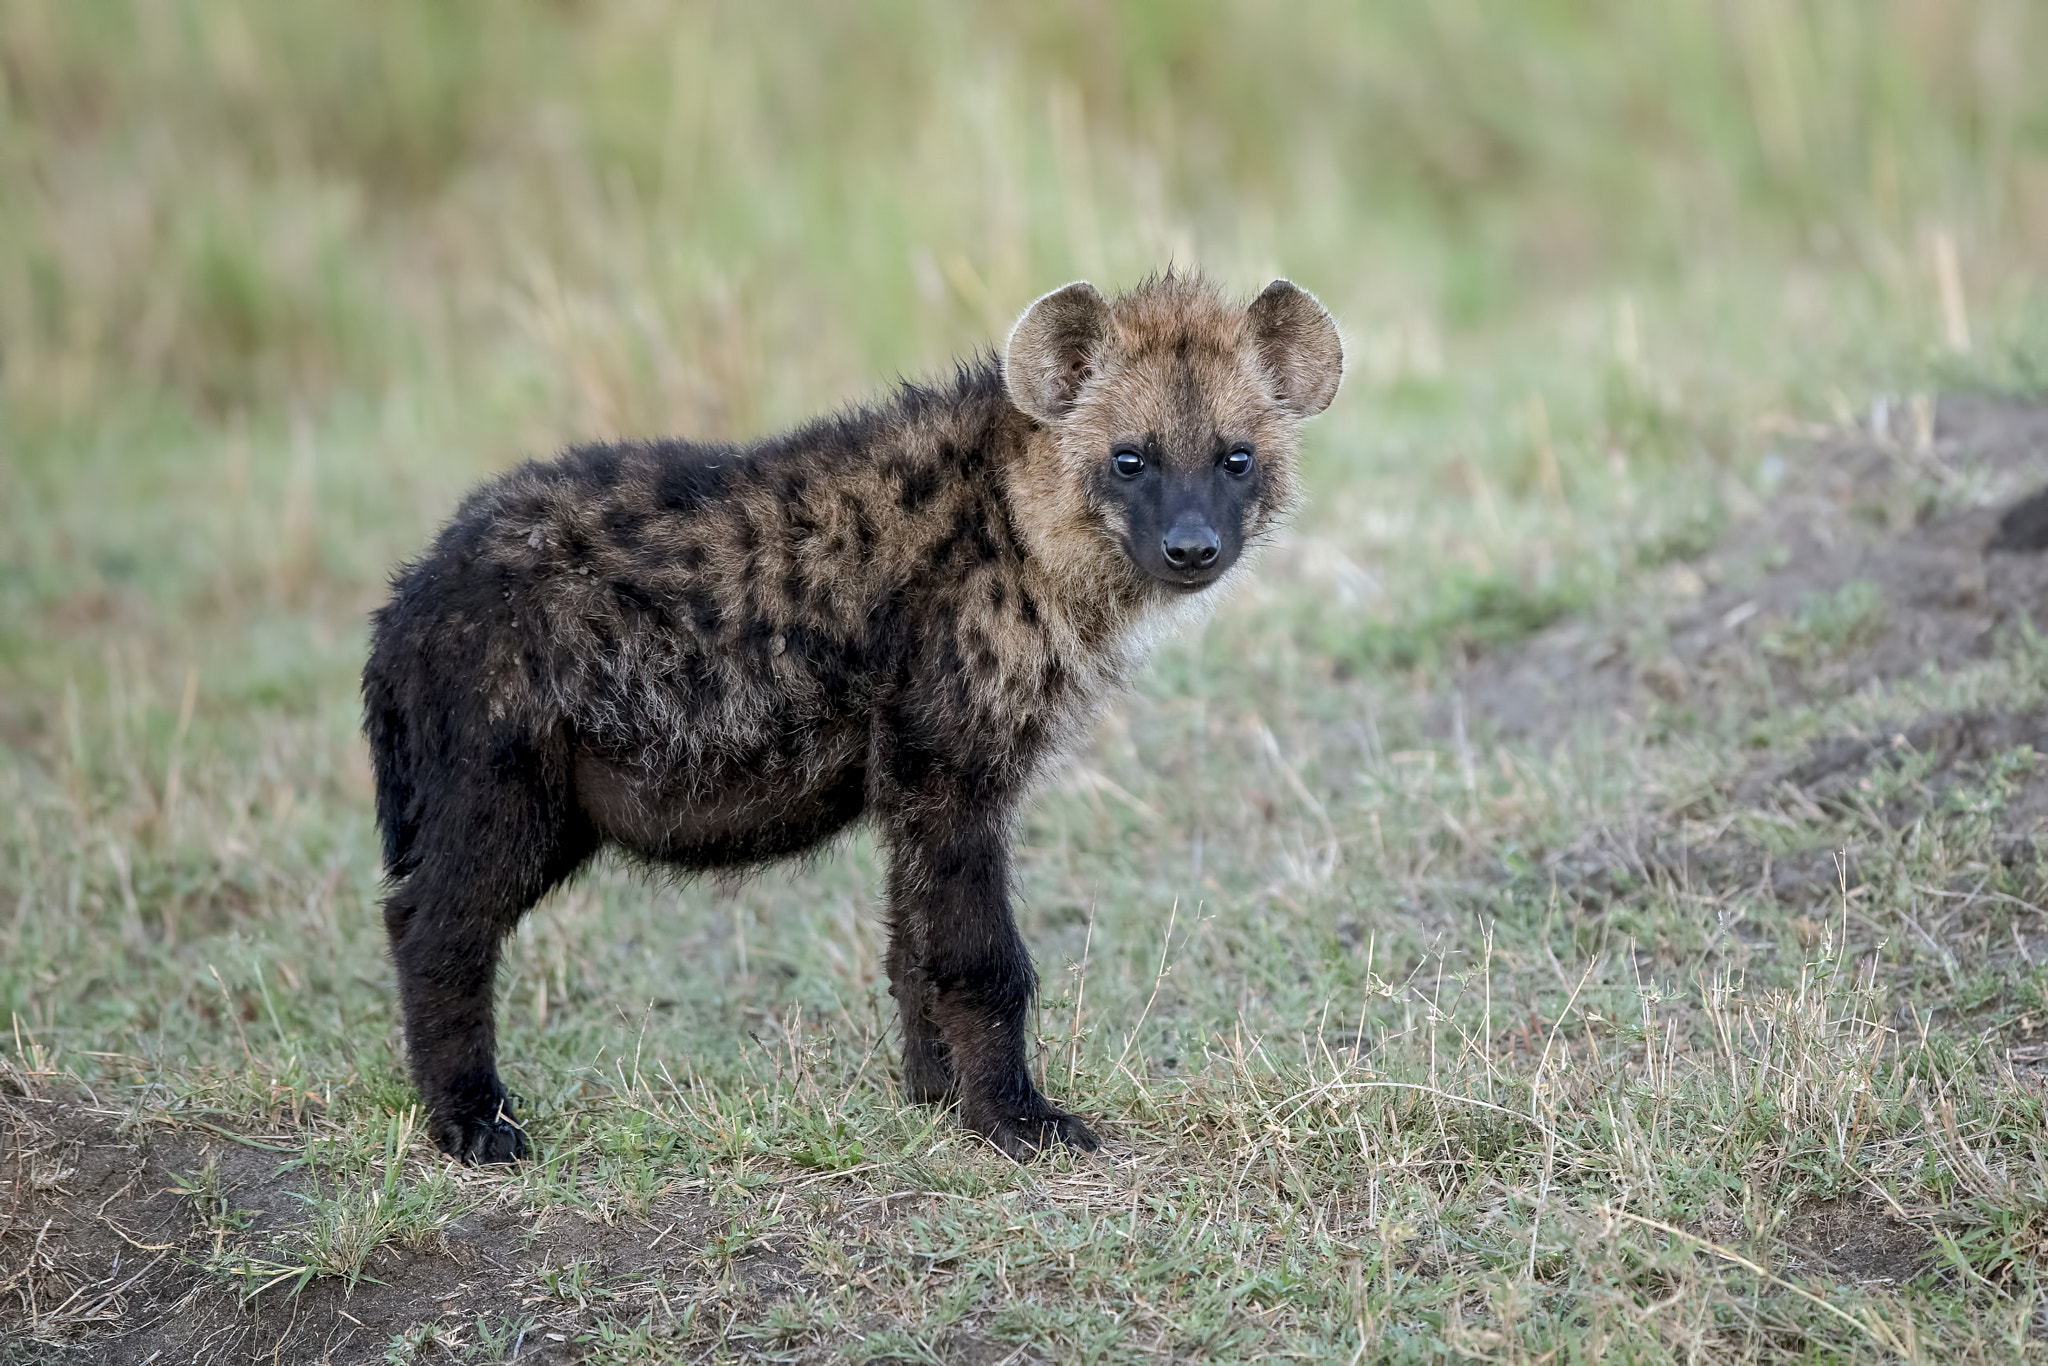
715 656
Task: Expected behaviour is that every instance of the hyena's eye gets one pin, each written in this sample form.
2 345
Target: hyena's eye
1128 461
1238 463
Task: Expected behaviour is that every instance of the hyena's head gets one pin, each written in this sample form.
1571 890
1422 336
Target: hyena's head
1174 414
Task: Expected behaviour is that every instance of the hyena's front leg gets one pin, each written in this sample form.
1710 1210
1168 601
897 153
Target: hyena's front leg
973 981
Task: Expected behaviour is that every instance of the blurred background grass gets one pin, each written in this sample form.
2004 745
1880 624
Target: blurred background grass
285 277
278 281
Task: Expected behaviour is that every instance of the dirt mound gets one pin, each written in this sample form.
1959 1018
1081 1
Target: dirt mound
1880 556
1954 751
116 1242
1876 553
1946 765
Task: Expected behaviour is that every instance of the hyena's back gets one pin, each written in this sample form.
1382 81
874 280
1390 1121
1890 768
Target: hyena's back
679 646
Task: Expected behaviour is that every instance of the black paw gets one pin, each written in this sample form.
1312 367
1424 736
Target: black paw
483 1140
1024 1136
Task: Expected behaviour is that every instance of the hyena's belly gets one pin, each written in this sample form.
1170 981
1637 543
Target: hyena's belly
730 811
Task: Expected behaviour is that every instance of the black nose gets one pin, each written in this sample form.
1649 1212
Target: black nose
1190 544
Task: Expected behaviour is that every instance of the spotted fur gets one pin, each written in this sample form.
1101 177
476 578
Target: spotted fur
715 656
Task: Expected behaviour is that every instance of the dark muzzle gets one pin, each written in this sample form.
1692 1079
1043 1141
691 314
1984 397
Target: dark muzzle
1191 543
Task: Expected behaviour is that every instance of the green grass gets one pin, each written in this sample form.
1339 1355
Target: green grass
278 282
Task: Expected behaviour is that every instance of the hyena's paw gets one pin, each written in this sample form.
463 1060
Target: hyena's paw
482 1140
1024 1136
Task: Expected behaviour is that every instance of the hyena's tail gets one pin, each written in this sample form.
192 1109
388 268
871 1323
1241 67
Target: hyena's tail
393 759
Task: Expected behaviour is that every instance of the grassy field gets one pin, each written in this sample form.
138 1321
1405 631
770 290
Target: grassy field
1583 903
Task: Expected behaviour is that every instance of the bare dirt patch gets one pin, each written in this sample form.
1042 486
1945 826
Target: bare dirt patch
1854 1239
1858 1240
1861 1242
108 1256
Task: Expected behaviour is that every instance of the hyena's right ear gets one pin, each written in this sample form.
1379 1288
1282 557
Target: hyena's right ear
1048 355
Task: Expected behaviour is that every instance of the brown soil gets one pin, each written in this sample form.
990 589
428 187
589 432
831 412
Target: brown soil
1857 1239
103 1260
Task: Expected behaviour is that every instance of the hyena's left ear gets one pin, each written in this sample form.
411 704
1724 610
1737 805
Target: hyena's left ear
1299 345
1046 360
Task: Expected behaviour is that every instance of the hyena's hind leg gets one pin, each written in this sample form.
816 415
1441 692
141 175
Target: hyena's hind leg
489 846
